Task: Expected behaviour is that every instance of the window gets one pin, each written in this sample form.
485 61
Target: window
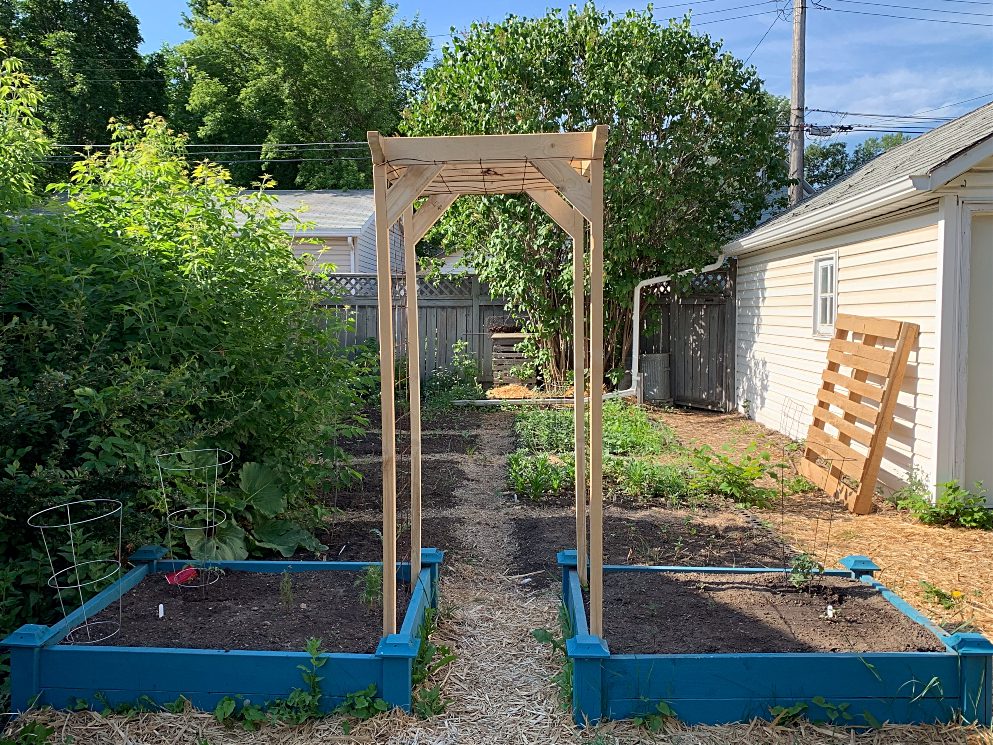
825 293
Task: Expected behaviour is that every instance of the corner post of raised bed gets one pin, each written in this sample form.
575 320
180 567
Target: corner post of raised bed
595 218
384 301
587 652
431 559
397 652
975 653
148 555
860 566
24 646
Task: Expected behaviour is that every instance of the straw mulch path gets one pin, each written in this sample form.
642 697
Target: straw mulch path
499 690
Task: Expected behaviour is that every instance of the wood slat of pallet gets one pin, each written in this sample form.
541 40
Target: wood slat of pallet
848 406
862 351
858 363
867 390
860 435
836 454
883 327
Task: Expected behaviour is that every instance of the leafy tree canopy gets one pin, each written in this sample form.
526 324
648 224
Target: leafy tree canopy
692 153
290 71
83 56
825 164
23 144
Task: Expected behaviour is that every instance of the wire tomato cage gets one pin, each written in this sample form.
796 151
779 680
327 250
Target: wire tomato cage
188 481
66 530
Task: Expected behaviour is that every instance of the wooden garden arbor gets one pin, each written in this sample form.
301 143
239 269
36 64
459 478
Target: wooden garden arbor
563 173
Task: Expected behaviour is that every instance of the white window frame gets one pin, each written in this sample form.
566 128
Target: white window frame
822 328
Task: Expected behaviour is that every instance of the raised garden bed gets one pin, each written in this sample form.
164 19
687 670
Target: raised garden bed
718 645
432 443
205 664
439 479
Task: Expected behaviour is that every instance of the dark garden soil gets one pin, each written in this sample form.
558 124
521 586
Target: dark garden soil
655 613
358 540
431 444
660 537
454 419
439 480
246 610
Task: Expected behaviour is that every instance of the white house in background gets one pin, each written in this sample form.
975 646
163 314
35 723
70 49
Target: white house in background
342 224
909 236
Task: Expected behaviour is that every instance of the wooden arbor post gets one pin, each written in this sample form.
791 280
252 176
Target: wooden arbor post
563 173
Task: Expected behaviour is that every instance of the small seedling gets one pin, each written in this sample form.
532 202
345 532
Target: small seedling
656 720
429 702
947 600
370 582
286 590
784 715
802 571
32 733
361 705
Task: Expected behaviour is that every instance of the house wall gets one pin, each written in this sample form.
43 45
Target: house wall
337 251
888 270
365 252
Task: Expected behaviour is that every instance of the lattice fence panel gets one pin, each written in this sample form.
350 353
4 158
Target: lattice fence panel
852 417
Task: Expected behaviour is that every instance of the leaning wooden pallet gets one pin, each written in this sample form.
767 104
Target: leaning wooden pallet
867 360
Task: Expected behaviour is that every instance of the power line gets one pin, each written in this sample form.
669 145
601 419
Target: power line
905 18
957 103
348 143
883 116
916 7
757 45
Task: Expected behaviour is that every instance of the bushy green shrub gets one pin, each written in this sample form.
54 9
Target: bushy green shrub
459 381
544 430
154 307
538 477
954 505
646 480
721 474
627 430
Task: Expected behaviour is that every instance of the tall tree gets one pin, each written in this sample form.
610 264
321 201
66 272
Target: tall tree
873 147
291 71
84 58
825 164
690 157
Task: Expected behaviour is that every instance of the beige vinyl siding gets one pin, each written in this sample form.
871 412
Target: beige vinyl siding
888 271
335 251
365 260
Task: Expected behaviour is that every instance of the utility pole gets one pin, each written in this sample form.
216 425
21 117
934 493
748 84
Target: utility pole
797 100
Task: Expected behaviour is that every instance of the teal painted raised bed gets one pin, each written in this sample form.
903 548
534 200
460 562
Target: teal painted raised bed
44 672
898 687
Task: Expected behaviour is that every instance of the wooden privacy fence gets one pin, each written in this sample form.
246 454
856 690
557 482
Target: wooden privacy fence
867 360
449 310
695 328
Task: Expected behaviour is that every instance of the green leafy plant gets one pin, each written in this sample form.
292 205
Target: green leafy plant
644 480
786 715
458 381
947 600
835 712
32 733
720 473
563 678
954 505
538 477
802 571
656 720
428 702
431 657
370 582
361 705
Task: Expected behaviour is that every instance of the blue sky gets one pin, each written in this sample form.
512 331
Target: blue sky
855 63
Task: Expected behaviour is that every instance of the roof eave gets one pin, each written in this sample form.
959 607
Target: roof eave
955 166
834 215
